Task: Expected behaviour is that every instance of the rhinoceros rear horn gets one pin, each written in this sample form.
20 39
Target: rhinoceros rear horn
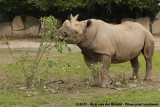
76 17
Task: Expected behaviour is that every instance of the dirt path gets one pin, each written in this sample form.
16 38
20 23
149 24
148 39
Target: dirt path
33 44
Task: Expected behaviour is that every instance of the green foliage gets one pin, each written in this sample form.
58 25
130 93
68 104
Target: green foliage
97 68
107 10
15 6
142 4
49 27
62 5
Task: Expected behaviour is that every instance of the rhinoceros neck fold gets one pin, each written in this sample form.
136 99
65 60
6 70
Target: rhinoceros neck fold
89 35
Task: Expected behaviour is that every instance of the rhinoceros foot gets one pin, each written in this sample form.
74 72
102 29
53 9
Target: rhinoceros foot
147 79
105 82
133 77
94 85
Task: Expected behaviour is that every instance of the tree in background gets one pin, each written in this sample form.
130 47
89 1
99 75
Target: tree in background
107 10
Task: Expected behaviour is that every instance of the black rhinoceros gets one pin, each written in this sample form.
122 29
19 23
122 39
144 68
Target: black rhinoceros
107 43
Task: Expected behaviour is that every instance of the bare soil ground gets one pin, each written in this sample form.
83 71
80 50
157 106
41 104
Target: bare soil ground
80 85
29 44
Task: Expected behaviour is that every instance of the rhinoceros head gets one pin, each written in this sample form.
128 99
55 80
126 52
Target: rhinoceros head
74 29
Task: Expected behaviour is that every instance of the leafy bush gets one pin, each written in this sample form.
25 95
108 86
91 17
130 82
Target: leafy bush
49 30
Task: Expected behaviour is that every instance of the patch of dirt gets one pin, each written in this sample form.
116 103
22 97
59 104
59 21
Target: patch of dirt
79 85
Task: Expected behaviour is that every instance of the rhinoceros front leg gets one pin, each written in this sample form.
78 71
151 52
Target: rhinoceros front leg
95 74
105 80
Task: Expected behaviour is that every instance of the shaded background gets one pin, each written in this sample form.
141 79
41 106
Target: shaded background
107 10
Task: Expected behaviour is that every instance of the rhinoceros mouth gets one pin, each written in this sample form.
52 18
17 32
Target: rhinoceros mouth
61 37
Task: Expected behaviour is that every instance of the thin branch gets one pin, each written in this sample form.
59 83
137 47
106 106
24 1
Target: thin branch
10 51
59 80
13 85
37 61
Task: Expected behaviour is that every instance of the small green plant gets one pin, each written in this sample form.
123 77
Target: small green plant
97 68
71 86
121 81
46 89
86 80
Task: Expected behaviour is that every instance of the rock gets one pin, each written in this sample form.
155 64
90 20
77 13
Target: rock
17 23
20 33
32 31
145 21
32 26
32 21
127 19
156 27
158 16
6 29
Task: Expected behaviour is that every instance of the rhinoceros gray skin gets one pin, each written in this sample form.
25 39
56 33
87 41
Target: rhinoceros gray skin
107 43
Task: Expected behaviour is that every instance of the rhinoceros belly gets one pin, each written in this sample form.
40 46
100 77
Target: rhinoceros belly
121 59
126 52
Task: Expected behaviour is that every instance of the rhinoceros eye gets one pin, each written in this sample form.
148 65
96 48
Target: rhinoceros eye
65 34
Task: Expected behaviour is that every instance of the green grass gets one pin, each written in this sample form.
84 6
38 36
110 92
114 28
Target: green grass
71 65
67 100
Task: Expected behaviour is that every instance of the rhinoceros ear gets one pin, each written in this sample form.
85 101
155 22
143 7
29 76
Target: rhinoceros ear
89 23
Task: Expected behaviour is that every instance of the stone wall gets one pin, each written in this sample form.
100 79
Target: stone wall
152 26
31 26
145 21
156 27
18 28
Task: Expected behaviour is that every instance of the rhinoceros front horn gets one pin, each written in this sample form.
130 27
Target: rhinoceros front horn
71 17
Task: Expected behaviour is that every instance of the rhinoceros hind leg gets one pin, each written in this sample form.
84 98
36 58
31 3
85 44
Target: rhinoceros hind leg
135 65
148 52
148 70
